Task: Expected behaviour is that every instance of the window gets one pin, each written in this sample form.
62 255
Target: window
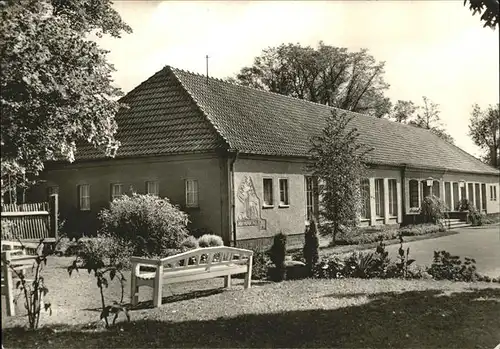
379 197
470 193
365 198
435 189
425 190
493 193
267 184
116 190
413 193
483 195
84 197
191 193
284 192
447 195
456 198
153 188
393 197
311 197
477 196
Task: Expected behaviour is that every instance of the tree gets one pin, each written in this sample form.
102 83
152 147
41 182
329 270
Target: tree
427 117
488 9
484 129
403 111
339 164
56 86
327 75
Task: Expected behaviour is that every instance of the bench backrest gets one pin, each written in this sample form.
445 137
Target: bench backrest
208 256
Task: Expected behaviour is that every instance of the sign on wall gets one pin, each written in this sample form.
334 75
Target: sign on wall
249 213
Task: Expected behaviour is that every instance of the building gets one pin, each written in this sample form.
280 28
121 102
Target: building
234 158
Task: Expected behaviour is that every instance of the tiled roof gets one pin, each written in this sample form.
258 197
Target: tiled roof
161 119
179 111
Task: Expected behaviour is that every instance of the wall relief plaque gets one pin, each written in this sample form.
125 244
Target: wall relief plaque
249 212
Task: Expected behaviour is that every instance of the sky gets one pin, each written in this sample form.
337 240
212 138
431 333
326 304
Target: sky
430 48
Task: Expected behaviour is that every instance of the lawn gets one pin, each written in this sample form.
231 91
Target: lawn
308 313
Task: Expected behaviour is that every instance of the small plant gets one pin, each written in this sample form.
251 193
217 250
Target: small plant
96 256
330 268
464 205
404 260
432 209
311 246
36 290
475 217
277 254
448 267
210 240
260 265
190 243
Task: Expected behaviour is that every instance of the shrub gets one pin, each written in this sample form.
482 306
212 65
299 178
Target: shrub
153 225
432 209
210 240
278 250
475 217
464 205
420 229
189 243
106 250
448 267
260 265
329 268
311 246
7 228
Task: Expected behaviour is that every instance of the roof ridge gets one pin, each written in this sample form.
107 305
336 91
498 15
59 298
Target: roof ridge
197 104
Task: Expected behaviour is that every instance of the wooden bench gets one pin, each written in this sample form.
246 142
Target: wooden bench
13 254
198 264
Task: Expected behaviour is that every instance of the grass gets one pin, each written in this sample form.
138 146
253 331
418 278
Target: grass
307 313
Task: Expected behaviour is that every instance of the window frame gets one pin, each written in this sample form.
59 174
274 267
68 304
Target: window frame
365 213
156 185
379 198
393 197
265 203
114 196
81 197
311 190
195 192
415 198
285 192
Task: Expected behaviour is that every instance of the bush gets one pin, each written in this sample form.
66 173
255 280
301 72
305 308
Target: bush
432 209
420 229
464 205
476 218
7 228
311 246
448 267
189 243
210 240
105 250
154 226
260 265
278 250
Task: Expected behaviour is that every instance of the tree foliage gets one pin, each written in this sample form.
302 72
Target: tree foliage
484 128
339 165
488 9
328 75
424 116
56 83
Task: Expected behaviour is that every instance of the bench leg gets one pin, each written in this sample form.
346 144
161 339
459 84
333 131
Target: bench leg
9 290
248 275
157 289
227 281
134 291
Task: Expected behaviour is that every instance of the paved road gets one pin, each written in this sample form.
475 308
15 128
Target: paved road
480 243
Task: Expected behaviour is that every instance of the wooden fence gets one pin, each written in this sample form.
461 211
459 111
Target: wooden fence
32 221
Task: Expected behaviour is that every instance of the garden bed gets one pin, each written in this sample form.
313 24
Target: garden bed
305 313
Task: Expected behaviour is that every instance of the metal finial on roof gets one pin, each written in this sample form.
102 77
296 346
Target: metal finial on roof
207 67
